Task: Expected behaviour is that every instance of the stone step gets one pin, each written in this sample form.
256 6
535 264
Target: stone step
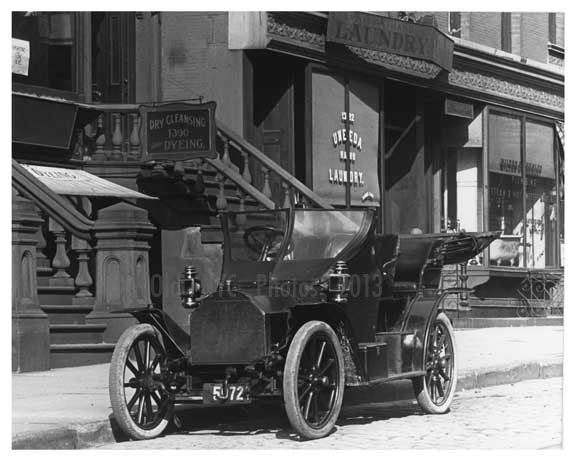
45 271
50 295
67 314
76 333
75 355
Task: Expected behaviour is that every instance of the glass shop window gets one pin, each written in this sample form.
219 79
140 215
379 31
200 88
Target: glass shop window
505 193
541 206
47 45
523 202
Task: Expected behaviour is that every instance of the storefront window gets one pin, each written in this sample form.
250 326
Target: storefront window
505 195
522 194
47 46
541 212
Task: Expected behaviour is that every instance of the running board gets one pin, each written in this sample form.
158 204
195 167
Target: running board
410 375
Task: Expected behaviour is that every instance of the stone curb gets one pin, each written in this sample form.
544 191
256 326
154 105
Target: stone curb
89 435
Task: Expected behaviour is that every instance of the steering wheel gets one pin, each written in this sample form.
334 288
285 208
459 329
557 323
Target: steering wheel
260 239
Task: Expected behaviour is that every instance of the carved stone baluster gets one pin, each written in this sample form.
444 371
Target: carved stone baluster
83 280
246 173
241 218
41 258
226 155
135 137
266 187
89 146
221 202
116 138
303 202
199 186
78 150
100 144
287 195
60 262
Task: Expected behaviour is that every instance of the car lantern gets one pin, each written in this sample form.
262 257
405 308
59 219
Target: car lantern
190 288
339 283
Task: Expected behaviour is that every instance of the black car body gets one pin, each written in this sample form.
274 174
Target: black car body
310 302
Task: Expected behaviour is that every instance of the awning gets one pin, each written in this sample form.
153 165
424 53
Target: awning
65 181
47 121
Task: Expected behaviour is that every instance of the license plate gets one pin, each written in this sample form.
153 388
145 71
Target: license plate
232 393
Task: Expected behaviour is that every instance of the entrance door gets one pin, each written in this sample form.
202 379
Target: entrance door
274 81
113 62
407 191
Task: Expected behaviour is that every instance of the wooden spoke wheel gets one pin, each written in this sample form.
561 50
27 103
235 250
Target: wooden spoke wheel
435 391
314 380
141 402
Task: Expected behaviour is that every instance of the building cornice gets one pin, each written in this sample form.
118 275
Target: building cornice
499 87
479 72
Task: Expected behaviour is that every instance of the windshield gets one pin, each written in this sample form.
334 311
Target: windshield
316 234
257 236
322 234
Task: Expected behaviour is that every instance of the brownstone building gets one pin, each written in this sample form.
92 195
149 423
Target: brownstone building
439 120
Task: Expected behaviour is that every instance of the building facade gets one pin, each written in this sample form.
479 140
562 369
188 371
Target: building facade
442 121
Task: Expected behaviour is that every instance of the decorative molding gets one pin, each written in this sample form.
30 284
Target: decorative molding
296 34
500 87
417 67
310 39
311 35
555 60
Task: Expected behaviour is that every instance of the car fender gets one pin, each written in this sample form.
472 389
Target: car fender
420 315
176 340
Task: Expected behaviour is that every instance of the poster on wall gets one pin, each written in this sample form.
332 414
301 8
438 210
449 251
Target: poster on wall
330 136
20 56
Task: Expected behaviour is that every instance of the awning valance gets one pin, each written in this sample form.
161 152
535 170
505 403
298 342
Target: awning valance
65 181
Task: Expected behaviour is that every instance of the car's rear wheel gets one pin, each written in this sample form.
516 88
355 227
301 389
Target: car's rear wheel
314 380
435 390
141 403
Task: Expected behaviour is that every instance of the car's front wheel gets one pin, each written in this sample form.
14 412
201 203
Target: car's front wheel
141 403
313 382
435 390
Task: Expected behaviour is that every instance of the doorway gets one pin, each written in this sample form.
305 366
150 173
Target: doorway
275 125
113 57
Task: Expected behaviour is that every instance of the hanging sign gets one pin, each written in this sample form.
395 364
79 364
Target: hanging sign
179 131
380 33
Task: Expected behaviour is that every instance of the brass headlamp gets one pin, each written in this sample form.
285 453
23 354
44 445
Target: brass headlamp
190 288
339 283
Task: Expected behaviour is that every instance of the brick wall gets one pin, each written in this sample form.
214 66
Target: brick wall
196 62
560 29
534 40
442 18
485 29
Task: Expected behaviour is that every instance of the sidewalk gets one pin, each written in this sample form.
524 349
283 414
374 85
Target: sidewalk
70 408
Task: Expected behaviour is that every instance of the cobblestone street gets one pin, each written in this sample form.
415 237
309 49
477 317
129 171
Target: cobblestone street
526 415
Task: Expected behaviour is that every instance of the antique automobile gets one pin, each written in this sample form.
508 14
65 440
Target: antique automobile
310 302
